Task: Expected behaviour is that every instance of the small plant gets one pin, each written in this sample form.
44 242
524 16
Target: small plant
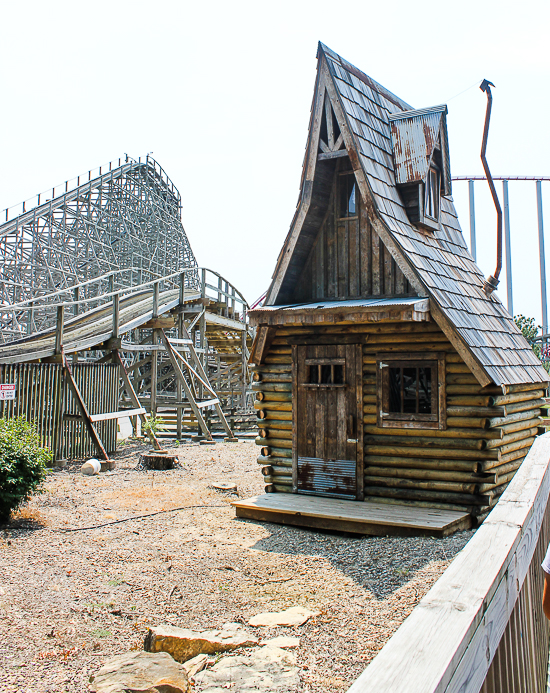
101 633
154 424
23 464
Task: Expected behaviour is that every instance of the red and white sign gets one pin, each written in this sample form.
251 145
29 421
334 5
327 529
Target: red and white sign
7 391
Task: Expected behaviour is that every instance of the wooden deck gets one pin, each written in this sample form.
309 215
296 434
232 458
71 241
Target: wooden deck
351 516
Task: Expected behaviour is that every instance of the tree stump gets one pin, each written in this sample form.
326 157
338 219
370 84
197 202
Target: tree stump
158 460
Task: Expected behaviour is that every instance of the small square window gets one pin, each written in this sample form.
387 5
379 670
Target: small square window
410 393
325 373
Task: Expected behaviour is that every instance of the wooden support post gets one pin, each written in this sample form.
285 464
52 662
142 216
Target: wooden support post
154 374
155 300
244 362
85 414
59 330
179 375
178 383
76 294
132 394
30 318
116 315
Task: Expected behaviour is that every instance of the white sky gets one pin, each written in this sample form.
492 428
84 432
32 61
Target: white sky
220 92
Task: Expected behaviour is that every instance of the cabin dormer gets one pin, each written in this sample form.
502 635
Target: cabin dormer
421 160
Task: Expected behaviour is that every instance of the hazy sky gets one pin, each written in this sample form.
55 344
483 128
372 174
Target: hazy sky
220 92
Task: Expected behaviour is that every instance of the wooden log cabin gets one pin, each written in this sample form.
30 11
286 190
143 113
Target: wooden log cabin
383 372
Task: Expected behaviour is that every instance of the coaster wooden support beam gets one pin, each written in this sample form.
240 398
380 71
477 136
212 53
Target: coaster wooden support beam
201 375
185 385
133 396
85 414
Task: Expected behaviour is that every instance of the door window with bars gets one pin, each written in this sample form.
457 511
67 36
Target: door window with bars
325 373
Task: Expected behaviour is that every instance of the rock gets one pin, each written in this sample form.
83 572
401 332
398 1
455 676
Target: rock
283 641
295 616
268 669
141 672
224 486
193 666
184 644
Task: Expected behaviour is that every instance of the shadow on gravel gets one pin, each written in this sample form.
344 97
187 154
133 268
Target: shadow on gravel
378 564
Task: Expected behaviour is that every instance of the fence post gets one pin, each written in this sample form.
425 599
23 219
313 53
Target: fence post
507 243
472 219
542 260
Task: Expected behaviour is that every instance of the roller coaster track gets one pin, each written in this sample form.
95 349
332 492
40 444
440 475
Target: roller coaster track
99 271
123 216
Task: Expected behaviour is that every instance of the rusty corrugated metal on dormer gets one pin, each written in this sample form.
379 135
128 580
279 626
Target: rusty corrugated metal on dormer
415 135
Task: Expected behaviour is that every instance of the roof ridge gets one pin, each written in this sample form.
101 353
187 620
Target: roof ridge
369 81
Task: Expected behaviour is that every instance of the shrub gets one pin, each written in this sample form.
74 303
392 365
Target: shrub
530 330
23 463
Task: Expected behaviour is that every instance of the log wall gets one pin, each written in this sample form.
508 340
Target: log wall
465 467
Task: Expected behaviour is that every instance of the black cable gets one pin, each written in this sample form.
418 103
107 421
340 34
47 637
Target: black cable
140 517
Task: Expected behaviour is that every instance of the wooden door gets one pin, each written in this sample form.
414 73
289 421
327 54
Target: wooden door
328 412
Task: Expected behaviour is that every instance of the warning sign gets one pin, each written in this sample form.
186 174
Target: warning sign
7 391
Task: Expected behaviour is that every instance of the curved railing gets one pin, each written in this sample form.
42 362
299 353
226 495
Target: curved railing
481 627
116 285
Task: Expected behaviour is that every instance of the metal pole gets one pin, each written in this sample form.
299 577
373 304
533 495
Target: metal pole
472 219
507 245
542 260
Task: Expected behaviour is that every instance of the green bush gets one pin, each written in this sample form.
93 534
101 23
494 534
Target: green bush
23 463
154 424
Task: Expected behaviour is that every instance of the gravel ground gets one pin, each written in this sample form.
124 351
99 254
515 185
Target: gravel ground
69 600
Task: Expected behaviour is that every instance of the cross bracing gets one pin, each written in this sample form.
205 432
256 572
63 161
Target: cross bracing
126 220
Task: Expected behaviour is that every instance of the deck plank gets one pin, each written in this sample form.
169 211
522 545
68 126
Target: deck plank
351 516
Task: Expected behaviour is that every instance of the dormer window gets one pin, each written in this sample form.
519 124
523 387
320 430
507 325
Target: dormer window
432 193
421 160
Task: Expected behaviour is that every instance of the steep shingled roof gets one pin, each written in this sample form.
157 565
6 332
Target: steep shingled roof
440 260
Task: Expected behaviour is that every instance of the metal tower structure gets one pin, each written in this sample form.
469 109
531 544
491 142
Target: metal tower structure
123 219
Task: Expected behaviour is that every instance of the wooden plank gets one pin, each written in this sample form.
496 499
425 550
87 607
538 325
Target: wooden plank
385 515
116 414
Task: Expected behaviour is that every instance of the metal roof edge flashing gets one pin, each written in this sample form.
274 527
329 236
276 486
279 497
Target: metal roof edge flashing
401 115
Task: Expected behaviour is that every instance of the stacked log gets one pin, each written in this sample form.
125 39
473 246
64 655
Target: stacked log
465 467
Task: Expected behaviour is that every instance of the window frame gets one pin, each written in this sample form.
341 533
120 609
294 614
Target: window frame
386 419
436 197
327 361
342 178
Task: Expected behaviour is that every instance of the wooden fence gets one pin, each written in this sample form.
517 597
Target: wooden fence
481 627
42 396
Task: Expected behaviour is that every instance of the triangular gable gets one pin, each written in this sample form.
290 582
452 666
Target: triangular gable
415 136
437 264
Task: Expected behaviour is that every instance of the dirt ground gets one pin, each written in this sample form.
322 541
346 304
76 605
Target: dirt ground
71 599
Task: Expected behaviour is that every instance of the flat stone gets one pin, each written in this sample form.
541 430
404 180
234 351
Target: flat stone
141 672
193 666
295 616
224 486
184 644
269 669
285 642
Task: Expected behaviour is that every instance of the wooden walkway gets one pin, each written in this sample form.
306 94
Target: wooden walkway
351 516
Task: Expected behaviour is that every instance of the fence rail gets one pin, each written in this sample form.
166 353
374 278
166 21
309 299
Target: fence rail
481 627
